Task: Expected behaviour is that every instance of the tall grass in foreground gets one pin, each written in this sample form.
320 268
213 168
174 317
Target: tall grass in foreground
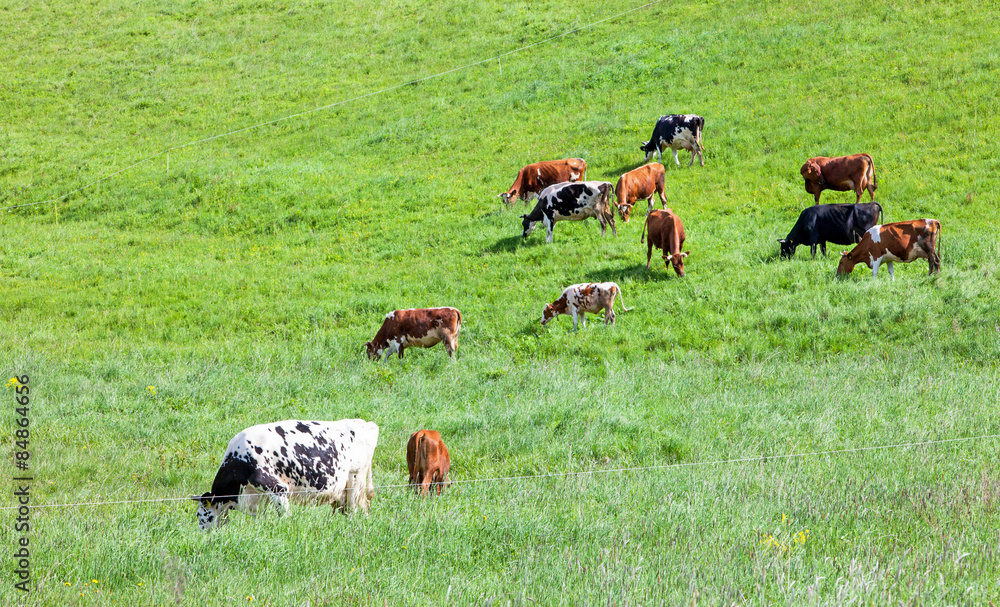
162 311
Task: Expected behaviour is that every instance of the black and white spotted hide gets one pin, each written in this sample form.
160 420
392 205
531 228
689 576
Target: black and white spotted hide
315 462
571 201
677 132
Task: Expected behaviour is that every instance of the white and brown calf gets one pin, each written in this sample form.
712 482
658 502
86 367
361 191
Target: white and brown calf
316 462
419 328
903 241
581 299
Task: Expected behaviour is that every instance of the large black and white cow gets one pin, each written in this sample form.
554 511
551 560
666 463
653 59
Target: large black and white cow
307 461
676 131
836 223
572 201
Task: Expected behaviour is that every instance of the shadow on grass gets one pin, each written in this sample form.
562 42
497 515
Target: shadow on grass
512 244
636 273
625 168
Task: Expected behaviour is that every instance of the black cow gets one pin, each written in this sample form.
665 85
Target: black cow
676 131
837 223
573 201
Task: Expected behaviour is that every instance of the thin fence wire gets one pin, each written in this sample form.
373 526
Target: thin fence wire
328 106
596 471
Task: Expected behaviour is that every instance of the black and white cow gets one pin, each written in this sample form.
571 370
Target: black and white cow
836 223
307 461
572 201
676 131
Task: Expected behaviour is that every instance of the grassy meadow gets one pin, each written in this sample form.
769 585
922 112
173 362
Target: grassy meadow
234 281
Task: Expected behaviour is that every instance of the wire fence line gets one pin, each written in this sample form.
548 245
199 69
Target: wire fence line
579 473
328 106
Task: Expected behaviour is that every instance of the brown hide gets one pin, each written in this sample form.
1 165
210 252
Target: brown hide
903 241
428 461
841 174
640 184
534 178
666 232
419 327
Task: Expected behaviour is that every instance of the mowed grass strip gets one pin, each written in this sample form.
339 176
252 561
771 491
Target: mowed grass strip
167 308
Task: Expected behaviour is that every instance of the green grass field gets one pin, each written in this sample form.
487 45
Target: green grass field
164 309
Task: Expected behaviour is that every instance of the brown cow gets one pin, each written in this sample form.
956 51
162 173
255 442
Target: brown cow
428 461
420 327
666 232
840 174
637 185
578 300
534 178
901 241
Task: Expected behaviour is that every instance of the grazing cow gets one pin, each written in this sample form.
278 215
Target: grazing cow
666 232
428 461
901 241
836 223
676 131
417 327
840 174
572 202
307 461
534 178
578 300
637 185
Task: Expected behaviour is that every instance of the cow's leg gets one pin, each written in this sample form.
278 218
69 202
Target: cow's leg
693 151
812 249
276 490
822 246
549 224
400 352
609 315
575 318
888 264
701 157
676 159
663 200
649 252
875 265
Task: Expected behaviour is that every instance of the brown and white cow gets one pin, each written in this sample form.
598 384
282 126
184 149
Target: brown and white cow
418 327
901 241
840 174
666 232
640 184
534 178
588 297
428 461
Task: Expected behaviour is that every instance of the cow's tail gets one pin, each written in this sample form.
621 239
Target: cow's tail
701 126
459 312
622 296
642 239
871 163
881 215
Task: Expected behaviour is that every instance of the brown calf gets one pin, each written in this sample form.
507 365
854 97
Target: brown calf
901 241
640 184
534 178
428 461
420 327
666 232
840 174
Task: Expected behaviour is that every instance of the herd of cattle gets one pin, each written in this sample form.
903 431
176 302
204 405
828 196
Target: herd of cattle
331 462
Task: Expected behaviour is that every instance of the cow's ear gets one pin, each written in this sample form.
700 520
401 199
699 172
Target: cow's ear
524 216
782 240
685 253
844 254
206 496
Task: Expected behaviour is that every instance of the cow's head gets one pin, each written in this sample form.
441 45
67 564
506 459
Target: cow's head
846 265
624 209
213 511
528 226
811 172
787 247
677 261
374 353
507 196
548 314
